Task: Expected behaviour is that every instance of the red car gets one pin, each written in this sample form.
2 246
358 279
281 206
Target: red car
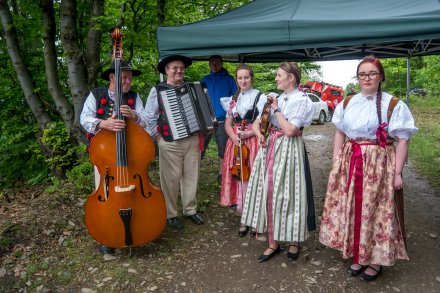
329 93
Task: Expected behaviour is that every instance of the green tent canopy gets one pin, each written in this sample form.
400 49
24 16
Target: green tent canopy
314 30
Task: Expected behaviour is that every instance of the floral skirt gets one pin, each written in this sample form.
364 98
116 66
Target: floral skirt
232 188
365 227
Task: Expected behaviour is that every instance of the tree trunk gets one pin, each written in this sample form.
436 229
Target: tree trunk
23 74
161 12
50 59
75 58
94 38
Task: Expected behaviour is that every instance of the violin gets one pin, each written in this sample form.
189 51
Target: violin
126 209
240 168
265 116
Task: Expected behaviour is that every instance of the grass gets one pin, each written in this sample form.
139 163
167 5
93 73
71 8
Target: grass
424 146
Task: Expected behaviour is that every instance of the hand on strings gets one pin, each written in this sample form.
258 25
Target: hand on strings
245 134
127 112
112 124
236 140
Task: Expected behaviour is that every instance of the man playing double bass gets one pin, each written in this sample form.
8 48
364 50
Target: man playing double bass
98 113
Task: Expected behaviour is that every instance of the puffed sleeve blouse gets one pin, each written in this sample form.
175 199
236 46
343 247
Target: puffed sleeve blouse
296 107
359 118
245 102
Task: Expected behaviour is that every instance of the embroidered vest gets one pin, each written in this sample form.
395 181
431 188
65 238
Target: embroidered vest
163 126
105 105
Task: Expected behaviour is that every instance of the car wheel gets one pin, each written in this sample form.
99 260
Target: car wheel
321 119
330 116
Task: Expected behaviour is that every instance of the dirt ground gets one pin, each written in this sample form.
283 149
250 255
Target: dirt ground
229 263
212 258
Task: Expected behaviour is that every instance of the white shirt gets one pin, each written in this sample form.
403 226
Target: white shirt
246 100
88 118
296 107
152 112
359 118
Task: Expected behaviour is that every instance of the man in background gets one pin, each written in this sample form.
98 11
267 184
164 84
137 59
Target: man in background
220 84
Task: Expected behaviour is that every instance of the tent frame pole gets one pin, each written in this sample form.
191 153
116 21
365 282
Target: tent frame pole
408 78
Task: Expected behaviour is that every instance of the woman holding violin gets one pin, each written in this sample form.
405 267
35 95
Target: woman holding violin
242 145
277 196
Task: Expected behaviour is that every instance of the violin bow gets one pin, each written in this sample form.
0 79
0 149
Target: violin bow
243 123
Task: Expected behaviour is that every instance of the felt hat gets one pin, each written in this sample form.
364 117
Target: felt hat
164 61
124 66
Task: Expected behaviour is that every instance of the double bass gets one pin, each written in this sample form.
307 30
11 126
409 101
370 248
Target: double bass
127 209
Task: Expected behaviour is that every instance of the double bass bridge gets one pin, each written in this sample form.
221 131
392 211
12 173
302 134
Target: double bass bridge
124 188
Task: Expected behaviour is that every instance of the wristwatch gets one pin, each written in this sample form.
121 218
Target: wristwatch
277 110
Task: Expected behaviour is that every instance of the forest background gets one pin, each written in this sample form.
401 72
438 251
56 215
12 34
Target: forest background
52 54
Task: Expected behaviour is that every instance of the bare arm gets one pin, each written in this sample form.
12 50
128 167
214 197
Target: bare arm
338 141
230 130
257 132
401 155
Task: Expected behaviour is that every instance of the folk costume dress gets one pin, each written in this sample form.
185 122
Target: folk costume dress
246 108
276 199
360 216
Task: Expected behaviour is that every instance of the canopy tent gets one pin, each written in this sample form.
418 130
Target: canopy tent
313 30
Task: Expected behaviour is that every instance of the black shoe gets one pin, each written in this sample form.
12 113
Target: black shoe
105 249
196 219
353 273
175 223
293 256
253 233
263 257
368 278
242 232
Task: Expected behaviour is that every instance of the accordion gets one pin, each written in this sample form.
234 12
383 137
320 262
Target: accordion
184 110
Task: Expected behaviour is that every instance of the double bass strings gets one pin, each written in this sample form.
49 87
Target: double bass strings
121 147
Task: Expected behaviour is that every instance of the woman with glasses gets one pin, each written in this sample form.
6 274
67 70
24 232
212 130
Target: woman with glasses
277 195
361 215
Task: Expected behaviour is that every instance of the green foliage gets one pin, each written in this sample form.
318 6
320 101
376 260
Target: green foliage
428 77
57 138
424 148
81 175
20 155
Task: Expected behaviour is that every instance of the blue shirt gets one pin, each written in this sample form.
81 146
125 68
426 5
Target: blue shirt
220 84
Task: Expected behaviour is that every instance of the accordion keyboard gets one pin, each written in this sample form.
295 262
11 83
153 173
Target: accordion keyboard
179 121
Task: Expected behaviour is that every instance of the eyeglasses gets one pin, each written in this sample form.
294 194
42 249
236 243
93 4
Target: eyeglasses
176 68
371 75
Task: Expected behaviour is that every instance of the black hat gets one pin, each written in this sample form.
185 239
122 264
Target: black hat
124 66
164 61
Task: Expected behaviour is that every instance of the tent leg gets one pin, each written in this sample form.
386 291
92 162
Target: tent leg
408 77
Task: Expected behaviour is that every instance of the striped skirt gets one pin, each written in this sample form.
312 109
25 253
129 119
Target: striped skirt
278 179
